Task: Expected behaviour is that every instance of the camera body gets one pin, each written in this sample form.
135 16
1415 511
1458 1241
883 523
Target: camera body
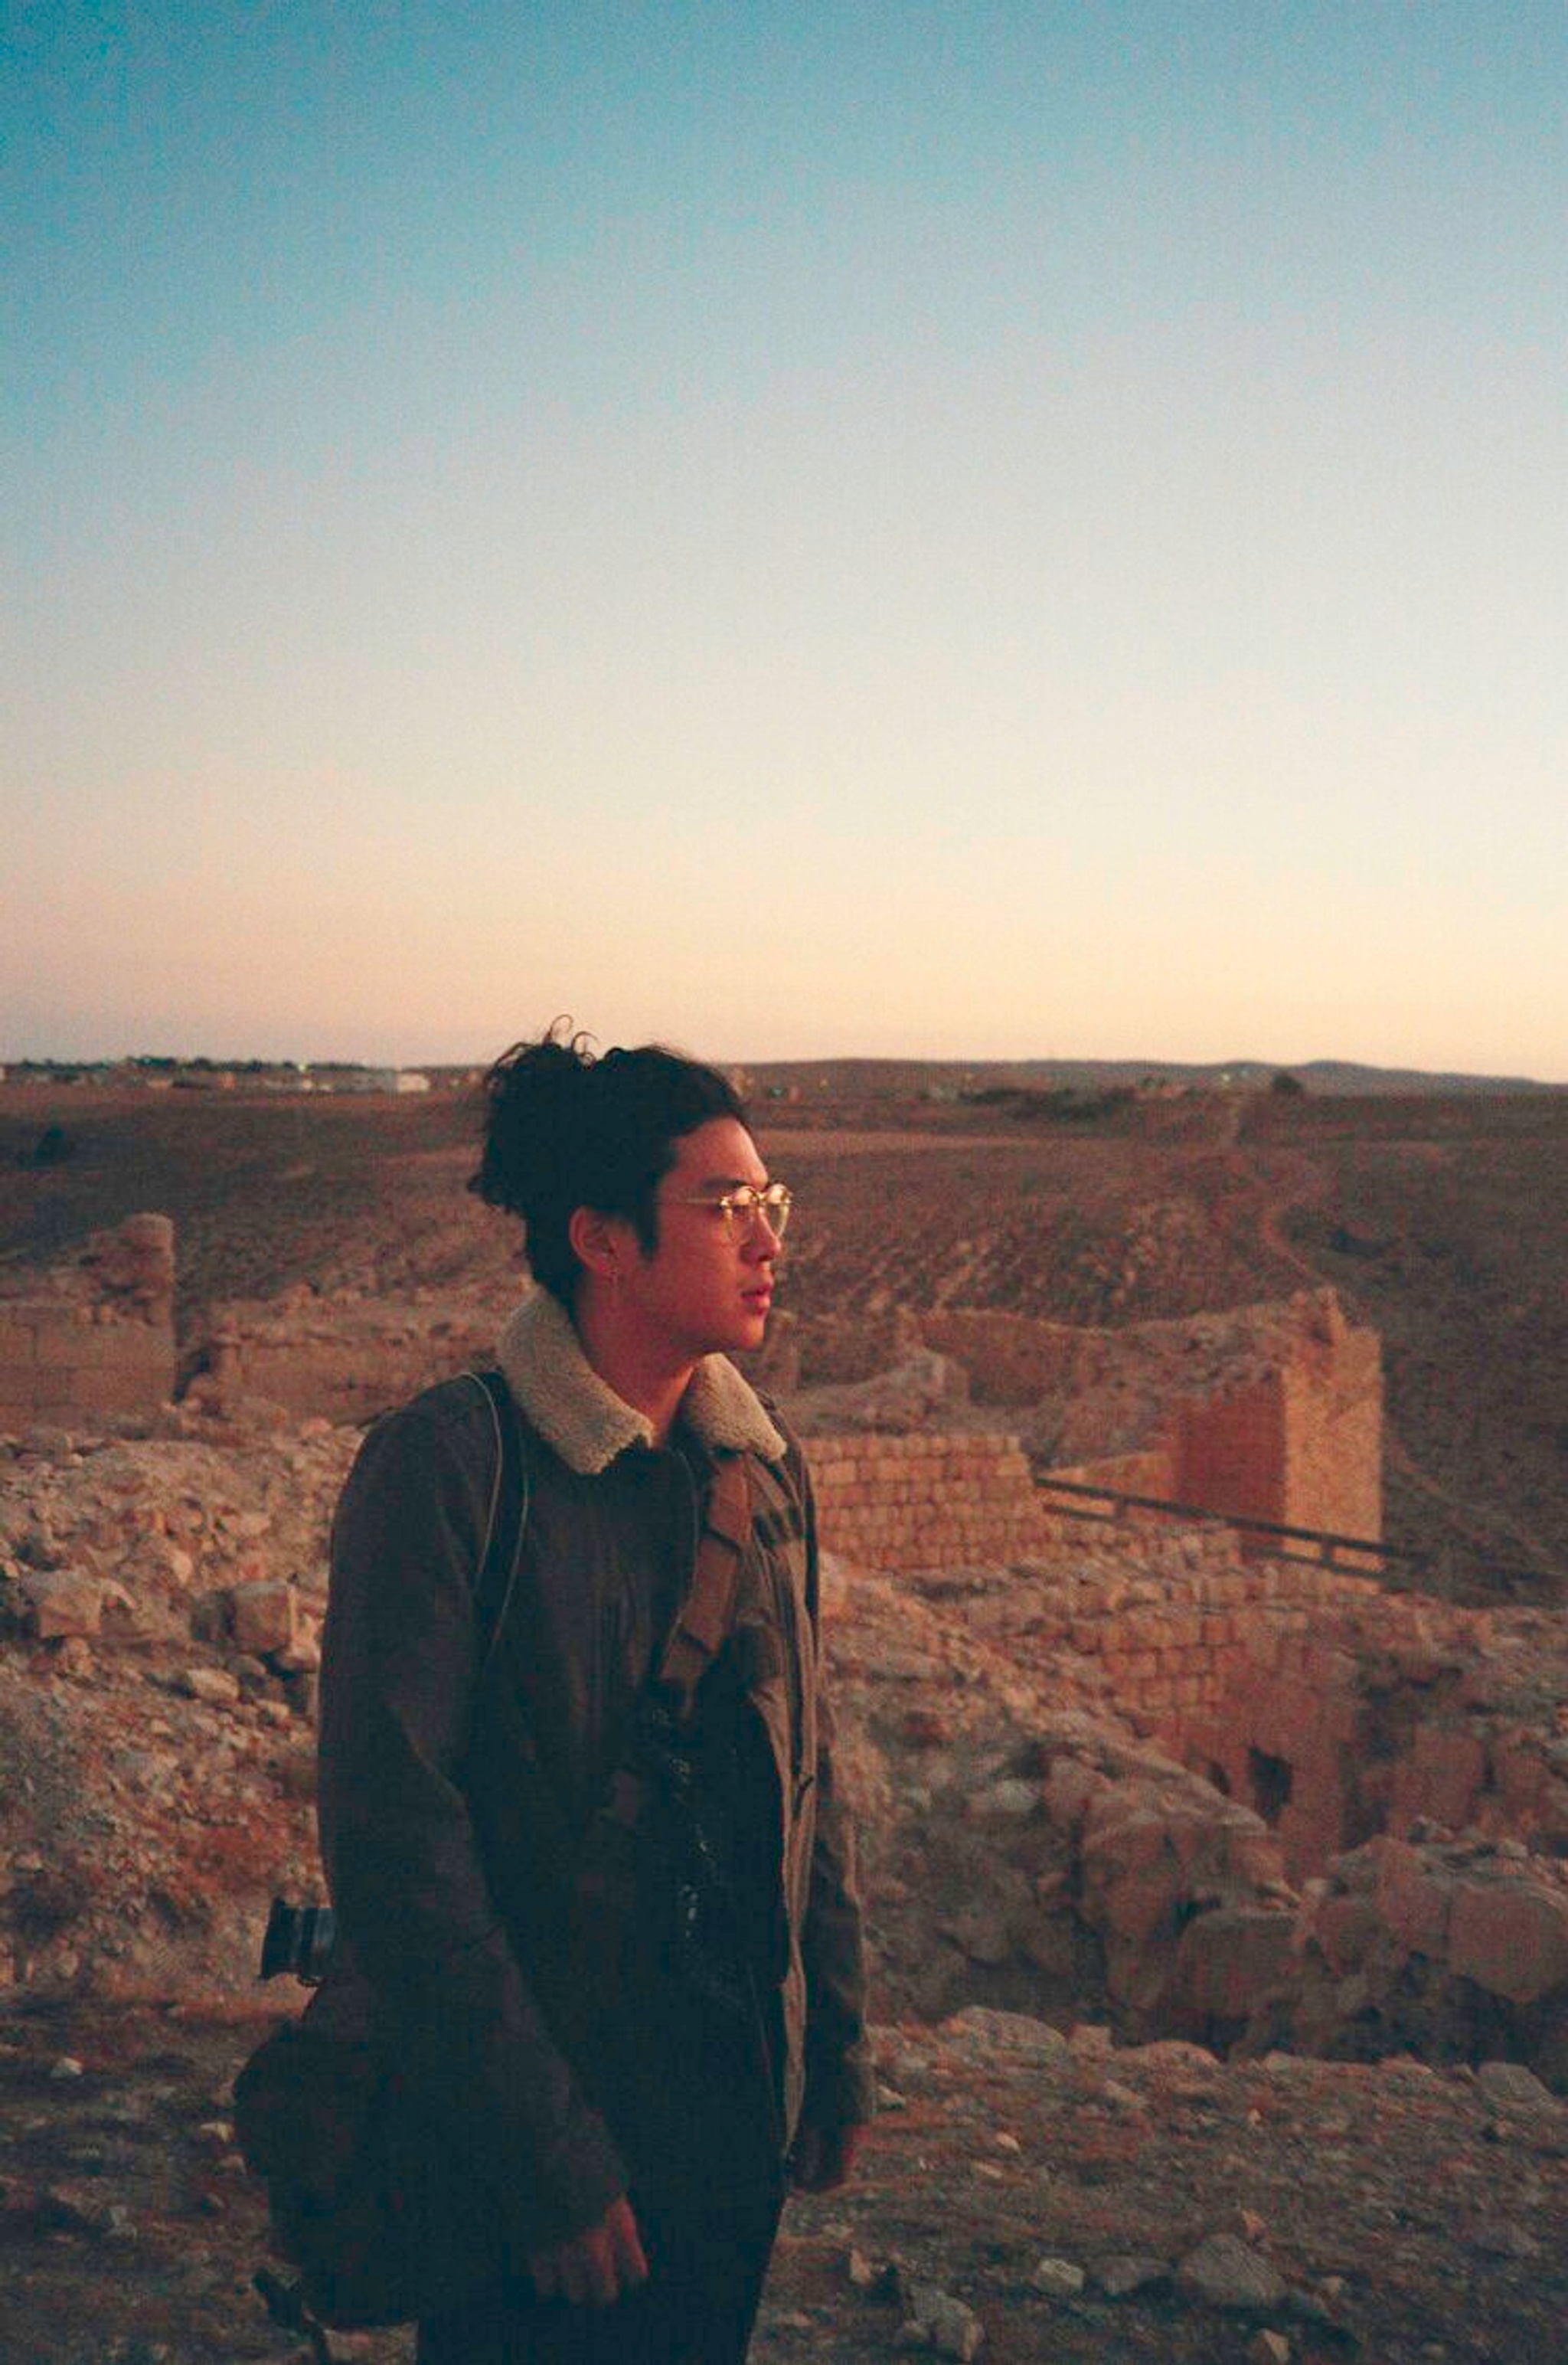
298 1942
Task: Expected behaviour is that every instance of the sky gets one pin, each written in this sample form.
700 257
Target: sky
966 531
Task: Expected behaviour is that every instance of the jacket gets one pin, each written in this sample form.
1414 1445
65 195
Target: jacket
455 1789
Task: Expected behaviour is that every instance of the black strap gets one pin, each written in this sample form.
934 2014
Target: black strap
495 1579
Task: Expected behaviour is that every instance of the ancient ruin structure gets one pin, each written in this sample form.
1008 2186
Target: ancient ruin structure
1202 1779
98 1337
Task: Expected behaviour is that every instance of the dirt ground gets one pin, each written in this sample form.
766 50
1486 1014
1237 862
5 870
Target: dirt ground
1409 2216
1439 1221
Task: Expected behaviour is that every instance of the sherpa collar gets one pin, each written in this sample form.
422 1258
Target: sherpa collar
588 1423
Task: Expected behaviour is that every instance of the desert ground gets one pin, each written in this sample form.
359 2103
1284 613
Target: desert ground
1440 1222
1056 2176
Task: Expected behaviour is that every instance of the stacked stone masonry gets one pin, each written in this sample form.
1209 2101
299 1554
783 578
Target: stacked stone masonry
1262 1674
925 1501
100 1339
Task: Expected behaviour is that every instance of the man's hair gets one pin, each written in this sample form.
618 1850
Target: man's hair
565 1128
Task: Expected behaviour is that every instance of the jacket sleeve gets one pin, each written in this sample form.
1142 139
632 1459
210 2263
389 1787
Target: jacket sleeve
840 2083
399 1667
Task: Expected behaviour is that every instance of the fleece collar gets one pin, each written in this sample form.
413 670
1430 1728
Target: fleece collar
540 1355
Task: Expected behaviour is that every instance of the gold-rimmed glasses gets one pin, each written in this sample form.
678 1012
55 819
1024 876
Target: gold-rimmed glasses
742 1209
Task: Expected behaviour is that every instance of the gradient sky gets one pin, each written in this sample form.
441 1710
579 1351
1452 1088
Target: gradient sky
964 530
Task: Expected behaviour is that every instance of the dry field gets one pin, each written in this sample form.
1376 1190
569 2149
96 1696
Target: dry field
1440 1222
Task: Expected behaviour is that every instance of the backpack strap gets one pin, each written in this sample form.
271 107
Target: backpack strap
500 1556
702 1625
702 1629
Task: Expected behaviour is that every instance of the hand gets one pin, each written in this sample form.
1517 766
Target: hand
598 2266
825 2158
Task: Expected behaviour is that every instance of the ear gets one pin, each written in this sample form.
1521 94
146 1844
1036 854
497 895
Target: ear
598 1241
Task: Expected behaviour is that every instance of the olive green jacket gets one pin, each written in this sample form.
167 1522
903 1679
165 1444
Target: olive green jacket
456 1789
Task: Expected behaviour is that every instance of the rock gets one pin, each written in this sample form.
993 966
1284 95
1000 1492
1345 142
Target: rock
936 2320
1119 2278
1228 1960
1223 2272
47 1442
1007 1800
64 1601
1022 2036
1059 2278
216 1686
1504 2239
1269 2348
1510 2086
264 1617
1509 1936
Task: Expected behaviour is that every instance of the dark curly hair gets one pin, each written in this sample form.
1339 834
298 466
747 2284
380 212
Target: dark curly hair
566 1129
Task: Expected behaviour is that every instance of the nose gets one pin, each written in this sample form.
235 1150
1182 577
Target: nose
762 1241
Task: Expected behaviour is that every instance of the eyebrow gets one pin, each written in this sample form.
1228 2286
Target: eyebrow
731 1182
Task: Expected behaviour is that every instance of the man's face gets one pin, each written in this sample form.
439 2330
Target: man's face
708 1284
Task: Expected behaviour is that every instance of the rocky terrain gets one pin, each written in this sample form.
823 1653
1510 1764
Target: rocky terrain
1061 2170
1439 1221
1145 2094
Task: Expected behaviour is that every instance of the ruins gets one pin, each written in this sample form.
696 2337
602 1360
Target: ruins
1203 1778
1196 1846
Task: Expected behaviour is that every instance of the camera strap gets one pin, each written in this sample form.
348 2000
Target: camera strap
700 1630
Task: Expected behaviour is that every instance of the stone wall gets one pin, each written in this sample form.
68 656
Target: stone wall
926 1501
1268 1412
1330 1707
99 1336
341 1362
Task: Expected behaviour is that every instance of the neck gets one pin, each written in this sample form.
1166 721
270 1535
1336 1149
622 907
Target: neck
643 1371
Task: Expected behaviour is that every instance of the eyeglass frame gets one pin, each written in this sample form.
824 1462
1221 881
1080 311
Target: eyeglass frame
773 1204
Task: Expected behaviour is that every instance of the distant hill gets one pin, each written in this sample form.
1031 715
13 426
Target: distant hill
916 1078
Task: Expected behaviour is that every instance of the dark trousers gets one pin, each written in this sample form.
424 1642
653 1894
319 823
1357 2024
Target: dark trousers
698 2117
697 2308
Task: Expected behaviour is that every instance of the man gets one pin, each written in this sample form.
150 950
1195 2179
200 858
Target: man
628 2135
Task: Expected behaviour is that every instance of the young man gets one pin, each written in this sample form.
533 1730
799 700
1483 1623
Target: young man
628 2133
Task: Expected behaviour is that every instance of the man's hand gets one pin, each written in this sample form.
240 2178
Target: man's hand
824 2158
598 2266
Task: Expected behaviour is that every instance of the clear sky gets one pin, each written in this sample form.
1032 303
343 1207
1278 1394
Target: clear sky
972 530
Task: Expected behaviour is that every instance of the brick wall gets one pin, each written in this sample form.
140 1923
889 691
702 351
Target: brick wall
1011 1358
98 1338
340 1369
57 1361
926 1501
1249 1670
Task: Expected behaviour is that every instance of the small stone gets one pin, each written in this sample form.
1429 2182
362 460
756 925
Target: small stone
1513 2087
1225 2273
1505 2240
861 2270
216 1686
1059 2278
67 2066
1269 2348
938 2321
1006 1801
64 1602
1119 2278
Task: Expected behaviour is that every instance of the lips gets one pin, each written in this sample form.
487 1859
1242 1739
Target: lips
759 1300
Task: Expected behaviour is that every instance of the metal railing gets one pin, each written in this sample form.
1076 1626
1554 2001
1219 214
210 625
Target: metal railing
1352 1555
1330 1546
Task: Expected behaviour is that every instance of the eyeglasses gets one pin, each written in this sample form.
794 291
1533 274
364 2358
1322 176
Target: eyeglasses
742 1209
